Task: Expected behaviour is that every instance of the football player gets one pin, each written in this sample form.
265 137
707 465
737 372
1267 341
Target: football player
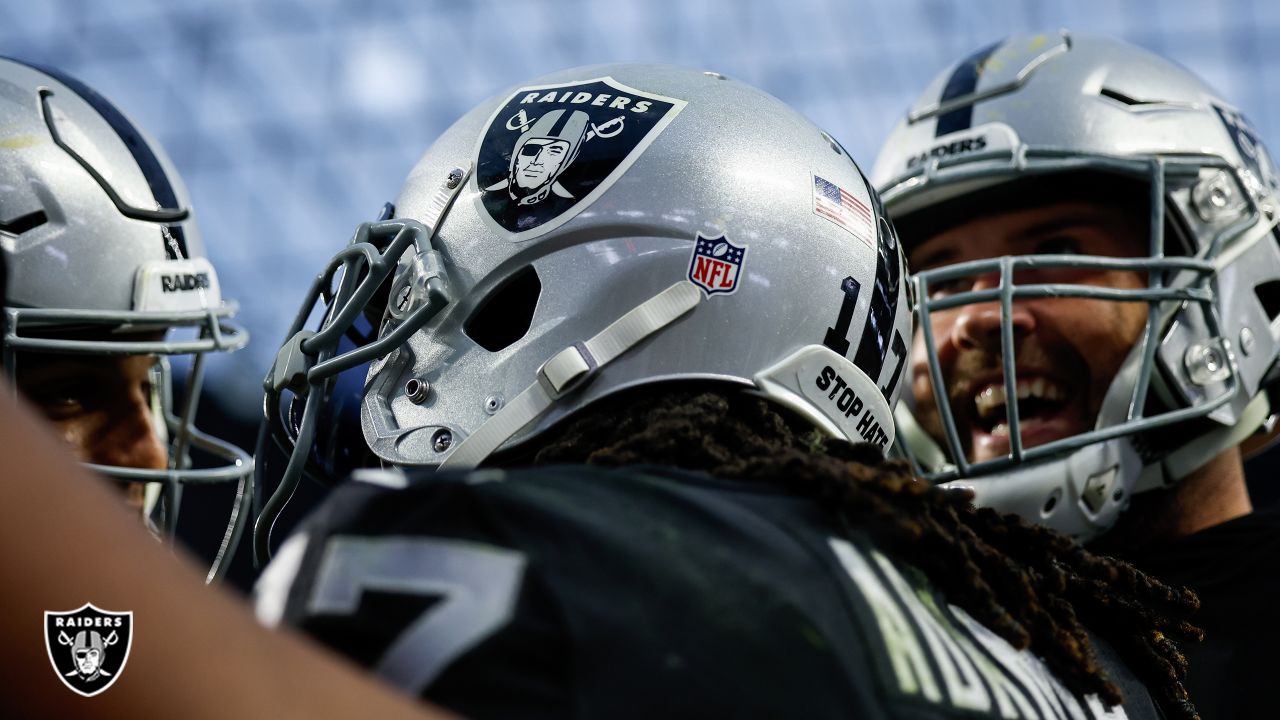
676 378
1093 235
107 271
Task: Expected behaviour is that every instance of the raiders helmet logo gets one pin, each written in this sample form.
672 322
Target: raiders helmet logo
88 647
1261 170
551 150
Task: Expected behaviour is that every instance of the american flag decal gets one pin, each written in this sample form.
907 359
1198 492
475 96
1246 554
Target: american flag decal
836 204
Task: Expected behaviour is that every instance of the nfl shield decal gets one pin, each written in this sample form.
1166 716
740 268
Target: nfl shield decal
716 264
88 647
551 150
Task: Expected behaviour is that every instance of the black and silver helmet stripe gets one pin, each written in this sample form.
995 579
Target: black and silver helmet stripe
877 333
157 179
963 81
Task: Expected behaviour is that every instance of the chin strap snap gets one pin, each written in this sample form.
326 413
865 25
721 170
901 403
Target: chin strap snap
571 368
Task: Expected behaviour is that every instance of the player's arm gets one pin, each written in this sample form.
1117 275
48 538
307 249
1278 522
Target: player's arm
66 539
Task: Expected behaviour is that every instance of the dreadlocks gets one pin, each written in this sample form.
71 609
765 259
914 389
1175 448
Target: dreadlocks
1036 588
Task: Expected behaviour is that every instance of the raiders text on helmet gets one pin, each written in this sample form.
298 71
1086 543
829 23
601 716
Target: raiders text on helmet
100 241
1042 106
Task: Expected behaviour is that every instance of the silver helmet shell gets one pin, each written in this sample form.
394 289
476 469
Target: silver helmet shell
1038 105
100 241
704 233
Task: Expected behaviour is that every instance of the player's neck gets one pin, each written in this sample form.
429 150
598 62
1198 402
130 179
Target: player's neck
1211 495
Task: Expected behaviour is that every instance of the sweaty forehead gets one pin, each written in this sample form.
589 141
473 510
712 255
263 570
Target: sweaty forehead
1091 188
1093 229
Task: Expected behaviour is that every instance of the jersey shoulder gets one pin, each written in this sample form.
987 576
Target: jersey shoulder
642 593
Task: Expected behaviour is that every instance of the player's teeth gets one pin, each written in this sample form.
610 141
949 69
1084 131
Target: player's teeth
1000 430
993 398
989 399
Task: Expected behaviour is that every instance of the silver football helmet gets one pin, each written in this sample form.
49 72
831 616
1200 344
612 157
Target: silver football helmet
599 229
105 259
1040 106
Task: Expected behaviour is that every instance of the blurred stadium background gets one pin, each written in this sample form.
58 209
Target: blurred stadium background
292 121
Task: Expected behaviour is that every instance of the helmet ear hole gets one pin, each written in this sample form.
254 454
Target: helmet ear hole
506 314
1269 297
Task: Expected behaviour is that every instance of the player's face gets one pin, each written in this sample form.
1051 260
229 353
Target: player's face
539 161
100 404
1068 349
87 661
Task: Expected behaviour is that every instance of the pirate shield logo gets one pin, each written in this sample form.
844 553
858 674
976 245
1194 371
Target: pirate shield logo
88 647
551 150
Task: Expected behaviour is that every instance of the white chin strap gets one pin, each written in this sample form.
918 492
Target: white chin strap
572 367
1193 455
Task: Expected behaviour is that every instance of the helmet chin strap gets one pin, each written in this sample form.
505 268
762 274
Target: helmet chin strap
571 368
1192 456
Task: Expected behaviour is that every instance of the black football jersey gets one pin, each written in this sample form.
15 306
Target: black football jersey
1235 569
643 593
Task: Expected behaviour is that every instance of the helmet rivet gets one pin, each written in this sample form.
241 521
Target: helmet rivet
493 404
403 298
441 440
1214 198
1207 363
1246 341
455 177
417 389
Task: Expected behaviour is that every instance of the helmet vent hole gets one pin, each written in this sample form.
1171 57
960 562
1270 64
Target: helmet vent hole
1050 503
19 225
506 314
1269 297
1124 99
